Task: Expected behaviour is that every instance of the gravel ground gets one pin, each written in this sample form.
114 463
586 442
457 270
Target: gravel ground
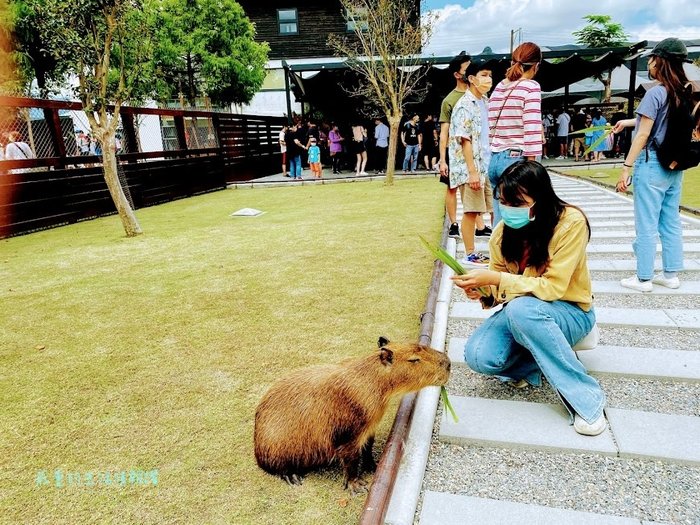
646 490
636 488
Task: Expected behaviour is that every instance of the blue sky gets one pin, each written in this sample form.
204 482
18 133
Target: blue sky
473 24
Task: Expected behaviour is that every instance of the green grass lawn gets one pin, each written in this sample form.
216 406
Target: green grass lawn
153 352
690 196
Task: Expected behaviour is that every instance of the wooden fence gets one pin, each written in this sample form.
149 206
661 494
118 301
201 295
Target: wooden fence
194 152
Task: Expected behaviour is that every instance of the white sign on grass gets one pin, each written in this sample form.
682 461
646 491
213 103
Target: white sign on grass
247 212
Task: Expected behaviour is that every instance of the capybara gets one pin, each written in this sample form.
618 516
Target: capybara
322 413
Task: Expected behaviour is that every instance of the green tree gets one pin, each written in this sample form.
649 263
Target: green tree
106 44
206 48
385 52
601 31
32 53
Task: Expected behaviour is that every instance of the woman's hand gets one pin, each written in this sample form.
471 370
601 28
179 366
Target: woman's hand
476 279
622 124
624 181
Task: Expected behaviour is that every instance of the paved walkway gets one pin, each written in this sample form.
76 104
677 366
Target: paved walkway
511 428
348 175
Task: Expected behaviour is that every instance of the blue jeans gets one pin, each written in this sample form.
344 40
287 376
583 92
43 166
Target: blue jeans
497 165
411 150
295 167
530 337
657 196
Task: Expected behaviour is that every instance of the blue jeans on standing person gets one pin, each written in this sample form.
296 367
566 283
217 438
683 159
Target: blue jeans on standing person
657 196
295 167
497 165
530 337
411 150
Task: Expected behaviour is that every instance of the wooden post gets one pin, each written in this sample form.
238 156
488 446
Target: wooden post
180 130
132 145
59 145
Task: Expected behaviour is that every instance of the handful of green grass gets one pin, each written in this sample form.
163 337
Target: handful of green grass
440 253
448 405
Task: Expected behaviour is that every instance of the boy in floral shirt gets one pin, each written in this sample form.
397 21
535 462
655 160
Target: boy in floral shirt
469 155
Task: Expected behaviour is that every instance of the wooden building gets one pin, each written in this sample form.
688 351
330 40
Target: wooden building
300 28
297 28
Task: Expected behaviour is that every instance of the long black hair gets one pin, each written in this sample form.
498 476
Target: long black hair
530 178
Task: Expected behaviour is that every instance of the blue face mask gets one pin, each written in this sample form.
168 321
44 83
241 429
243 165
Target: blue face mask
514 217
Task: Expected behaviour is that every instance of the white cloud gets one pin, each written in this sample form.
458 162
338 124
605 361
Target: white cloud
550 22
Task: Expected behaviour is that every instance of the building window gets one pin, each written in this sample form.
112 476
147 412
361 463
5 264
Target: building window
287 21
356 17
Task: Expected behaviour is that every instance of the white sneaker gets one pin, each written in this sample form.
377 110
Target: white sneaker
560 157
673 282
589 429
635 284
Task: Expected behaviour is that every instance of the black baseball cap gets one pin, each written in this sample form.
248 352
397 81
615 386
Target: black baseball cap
670 49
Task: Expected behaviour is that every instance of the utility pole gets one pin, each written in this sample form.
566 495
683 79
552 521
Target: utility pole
513 32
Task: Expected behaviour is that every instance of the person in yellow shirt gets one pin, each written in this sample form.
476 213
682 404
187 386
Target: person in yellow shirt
539 274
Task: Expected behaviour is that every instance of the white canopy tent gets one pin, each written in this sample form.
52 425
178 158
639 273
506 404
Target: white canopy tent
593 88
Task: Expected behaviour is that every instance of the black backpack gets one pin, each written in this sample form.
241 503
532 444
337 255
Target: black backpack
680 148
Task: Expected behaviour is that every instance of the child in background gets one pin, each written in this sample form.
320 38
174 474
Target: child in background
315 158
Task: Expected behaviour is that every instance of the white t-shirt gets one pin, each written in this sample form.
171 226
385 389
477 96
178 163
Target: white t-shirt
18 151
283 146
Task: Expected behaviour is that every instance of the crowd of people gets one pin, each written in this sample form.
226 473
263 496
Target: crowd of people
562 140
354 149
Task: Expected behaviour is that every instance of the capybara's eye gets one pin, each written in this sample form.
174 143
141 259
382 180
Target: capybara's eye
414 360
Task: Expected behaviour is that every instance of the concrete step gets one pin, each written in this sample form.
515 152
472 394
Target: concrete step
651 363
686 319
544 426
609 214
617 209
596 249
441 508
518 424
629 234
630 265
615 288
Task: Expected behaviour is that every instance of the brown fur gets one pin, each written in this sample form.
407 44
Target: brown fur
324 413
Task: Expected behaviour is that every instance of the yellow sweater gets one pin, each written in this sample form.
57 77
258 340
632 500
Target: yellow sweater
566 276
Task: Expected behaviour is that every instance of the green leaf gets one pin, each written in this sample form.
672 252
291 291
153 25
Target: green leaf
445 257
592 128
448 405
439 253
598 142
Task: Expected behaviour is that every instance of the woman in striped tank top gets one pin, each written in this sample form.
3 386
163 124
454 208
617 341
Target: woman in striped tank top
515 118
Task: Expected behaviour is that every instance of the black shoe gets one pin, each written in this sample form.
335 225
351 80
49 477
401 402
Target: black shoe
454 230
486 232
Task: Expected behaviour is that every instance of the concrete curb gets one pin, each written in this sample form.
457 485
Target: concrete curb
409 480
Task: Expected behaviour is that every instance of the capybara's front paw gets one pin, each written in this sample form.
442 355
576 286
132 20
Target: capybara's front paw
356 486
369 465
292 479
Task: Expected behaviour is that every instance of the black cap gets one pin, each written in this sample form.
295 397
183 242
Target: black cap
670 49
477 65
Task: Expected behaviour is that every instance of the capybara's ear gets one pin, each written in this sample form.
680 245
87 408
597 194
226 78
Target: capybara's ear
386 356
383 341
